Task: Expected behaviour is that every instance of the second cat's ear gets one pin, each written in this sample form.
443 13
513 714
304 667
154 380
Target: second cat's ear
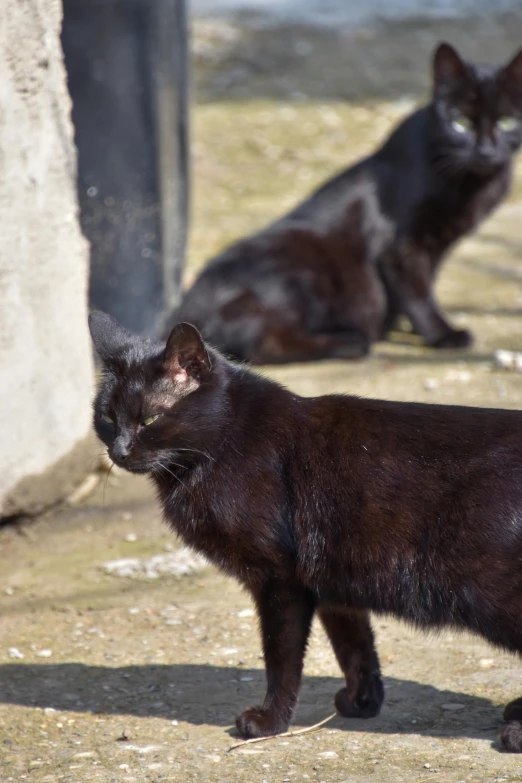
448 66
185 353
512 73
108 335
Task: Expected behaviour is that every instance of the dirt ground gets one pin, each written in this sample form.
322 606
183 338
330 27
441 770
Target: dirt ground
114 678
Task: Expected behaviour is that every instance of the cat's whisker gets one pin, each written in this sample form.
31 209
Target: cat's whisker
197 451
106 482
165 468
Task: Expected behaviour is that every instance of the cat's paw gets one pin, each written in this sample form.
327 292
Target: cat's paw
511 736
256 722
457 338
366 705
349 346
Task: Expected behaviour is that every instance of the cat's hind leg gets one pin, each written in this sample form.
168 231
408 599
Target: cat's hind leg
287 344
351 636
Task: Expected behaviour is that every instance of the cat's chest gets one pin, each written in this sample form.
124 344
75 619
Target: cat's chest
223 533
442 218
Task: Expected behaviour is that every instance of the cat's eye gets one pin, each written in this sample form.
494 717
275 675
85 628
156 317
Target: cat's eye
507 124
150 419
462 124
107 419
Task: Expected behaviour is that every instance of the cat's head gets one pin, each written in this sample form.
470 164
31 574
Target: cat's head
478 111
158 403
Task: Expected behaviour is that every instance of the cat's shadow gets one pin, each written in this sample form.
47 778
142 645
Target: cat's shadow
204 694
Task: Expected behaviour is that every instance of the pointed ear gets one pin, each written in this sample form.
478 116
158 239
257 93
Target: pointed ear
448 66
511 74
107 335
185 353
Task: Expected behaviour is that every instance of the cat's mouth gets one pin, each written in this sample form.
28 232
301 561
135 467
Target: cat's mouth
131 464
483 166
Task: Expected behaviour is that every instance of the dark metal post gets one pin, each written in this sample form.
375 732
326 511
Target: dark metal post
127 65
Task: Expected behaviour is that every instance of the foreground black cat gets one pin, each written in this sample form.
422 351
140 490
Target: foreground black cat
334 274
334 505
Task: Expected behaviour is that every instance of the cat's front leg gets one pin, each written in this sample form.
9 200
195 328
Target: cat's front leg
351 636
407 272
285 613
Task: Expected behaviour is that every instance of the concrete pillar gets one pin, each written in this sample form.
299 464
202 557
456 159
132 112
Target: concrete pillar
46 374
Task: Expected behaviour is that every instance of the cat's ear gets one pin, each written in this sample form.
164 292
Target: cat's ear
107 335
185 353
512 72
448 66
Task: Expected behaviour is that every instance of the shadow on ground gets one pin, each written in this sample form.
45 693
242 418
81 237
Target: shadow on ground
168 692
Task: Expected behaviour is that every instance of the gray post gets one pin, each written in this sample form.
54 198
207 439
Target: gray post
127 73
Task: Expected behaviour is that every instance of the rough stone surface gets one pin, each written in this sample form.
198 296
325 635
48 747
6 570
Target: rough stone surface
46 371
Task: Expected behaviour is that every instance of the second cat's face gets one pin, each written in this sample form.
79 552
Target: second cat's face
479 113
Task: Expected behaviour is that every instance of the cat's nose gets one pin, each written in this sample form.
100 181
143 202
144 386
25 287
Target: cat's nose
485 149
121 449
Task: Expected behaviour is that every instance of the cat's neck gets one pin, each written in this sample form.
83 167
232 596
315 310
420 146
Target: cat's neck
240 407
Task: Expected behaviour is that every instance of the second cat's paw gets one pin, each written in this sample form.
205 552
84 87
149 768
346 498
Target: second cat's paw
256 722
457 338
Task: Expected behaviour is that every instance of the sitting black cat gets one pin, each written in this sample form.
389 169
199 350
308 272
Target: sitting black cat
334 274
334 505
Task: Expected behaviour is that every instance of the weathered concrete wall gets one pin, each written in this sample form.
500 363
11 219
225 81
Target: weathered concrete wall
46 373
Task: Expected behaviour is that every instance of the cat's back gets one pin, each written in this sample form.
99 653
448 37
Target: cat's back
438 435
384 478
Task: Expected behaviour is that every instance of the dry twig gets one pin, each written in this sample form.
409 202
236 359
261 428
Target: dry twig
307 730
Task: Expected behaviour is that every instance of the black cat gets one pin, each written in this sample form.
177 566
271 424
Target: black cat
334 274
334 505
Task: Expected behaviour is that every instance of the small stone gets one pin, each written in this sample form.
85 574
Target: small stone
174 723
246 613
328 754
9 591
487 663
14 652
131 538
452 706
44 653
509 360
427 766
430 384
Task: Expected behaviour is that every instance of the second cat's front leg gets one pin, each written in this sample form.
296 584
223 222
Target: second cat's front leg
351 636
285 614
408 275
